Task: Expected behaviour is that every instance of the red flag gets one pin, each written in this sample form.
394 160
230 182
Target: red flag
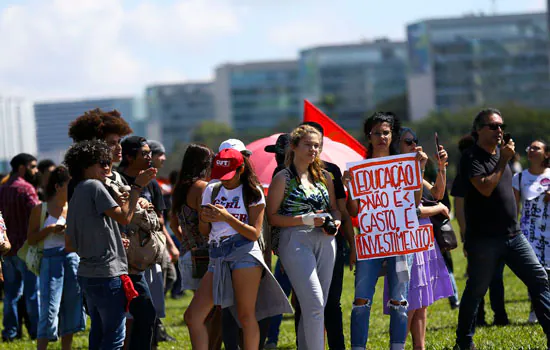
332 130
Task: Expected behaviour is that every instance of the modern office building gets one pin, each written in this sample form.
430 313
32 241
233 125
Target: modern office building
478 60
17 130
53 119
175 110
359 77
257 95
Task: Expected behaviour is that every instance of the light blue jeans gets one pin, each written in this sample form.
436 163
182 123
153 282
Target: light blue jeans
366 276
60 295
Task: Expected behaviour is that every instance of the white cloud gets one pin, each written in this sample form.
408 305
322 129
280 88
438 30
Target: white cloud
319 29
67 48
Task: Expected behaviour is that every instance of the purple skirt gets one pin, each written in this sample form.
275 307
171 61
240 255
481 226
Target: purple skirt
429 281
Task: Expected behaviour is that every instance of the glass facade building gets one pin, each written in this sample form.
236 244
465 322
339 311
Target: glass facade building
474 61
17 132
257 95
359 77
175 110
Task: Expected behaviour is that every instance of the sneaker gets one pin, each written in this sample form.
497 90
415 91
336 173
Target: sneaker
270 346
455 305
7 340
480 322
532 317
501 322
471 347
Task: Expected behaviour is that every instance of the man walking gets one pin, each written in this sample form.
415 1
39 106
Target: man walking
492 231
17 197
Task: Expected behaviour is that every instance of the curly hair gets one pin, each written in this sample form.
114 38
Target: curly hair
195 165
317 166
59 176
379 118
85 154
97 124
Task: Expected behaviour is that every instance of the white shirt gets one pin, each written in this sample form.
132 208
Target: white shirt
535 213
233 202
54 240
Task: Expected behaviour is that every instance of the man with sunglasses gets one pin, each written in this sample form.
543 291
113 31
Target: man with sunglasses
17 197
492 231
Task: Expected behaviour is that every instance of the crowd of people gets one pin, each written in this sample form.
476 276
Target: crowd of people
97 237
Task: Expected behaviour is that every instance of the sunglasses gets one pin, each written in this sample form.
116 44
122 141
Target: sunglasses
146 154
104 163
532 148
495 126
408 141
380 134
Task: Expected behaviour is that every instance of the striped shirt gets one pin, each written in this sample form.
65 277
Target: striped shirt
17 198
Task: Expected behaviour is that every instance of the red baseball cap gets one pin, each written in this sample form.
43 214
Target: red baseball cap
226 163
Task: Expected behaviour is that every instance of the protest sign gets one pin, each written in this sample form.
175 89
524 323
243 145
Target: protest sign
387 217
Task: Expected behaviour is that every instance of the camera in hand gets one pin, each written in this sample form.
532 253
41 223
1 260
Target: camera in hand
330 226
506 137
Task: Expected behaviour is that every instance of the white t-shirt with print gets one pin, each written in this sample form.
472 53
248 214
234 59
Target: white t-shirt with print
535 213
233 202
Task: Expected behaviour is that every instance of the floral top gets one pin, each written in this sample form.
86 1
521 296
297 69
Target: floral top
299 200
189 223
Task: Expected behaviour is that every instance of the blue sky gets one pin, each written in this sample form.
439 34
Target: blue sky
62 49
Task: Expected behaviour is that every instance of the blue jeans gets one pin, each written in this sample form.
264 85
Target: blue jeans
485 255
107 308
366 276
60 295
19 281
496 294
275 322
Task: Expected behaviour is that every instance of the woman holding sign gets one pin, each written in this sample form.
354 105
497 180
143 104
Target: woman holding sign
301 201
382 130
430 279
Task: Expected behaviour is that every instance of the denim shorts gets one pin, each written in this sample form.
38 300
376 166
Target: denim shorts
61 305
225 248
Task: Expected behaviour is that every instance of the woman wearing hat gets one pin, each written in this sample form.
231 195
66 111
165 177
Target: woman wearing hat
232 216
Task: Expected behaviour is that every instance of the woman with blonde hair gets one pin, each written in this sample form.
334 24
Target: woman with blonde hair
301 201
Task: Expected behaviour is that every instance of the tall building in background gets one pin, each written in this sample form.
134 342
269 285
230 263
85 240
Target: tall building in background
472 61
53 119
357 77
17 130
257 95
175 110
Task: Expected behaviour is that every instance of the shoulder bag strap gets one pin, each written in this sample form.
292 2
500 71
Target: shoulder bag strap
519 184
215 191
43 214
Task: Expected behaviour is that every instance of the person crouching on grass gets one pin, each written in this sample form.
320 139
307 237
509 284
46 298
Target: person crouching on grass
232 216
94 234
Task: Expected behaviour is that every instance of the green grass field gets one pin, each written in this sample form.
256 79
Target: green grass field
441 321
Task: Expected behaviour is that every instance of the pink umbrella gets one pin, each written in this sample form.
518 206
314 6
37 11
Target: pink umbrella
264 163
